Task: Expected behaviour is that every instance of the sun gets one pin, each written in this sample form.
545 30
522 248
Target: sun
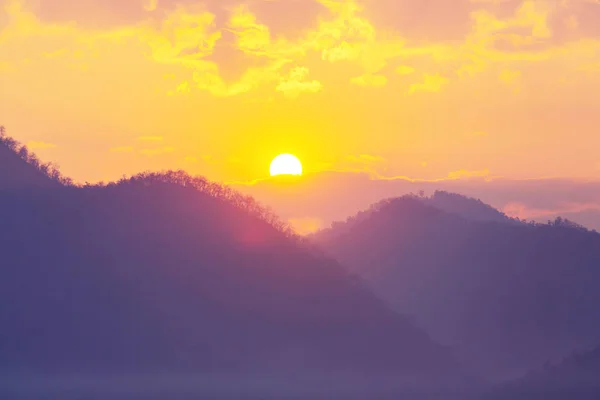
286 164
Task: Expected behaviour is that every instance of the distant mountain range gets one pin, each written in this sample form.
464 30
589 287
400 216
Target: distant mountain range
575 377
167 272
506 294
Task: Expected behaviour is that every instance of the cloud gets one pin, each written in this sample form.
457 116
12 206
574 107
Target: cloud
184 37
148 151
510 77
5 66
150 138
122 149
183 88
404 70
39 145
151 5
464 174
296 83
109 59
367 160
362 163
157 151
431 83
523 211
251 36
208 78
188 35
370 80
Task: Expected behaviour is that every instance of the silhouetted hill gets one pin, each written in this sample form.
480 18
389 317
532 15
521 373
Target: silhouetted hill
507 296
153 273
20 168
166 272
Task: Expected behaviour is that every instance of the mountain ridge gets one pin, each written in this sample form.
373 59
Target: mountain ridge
475 284
20 168
169 271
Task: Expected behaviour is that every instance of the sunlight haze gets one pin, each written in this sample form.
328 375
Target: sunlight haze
299 199
431 90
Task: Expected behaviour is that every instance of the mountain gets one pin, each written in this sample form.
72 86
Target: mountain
163 272
575 377
508 296
452 203
20 168
467 207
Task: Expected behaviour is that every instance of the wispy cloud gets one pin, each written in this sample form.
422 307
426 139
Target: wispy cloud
190 159
404 70
157 151
150 138
370 80
523 211
297 83
151 5
465 174
38 145
122 149
431 83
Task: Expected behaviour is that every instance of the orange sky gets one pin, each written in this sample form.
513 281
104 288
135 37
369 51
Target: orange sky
424 89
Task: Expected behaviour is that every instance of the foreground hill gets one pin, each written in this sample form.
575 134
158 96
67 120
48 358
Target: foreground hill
20 168
507 295
169 273
95 270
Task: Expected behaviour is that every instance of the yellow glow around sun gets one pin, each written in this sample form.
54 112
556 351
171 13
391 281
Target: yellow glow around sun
286 164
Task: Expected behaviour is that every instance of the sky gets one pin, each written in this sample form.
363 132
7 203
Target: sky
492 98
